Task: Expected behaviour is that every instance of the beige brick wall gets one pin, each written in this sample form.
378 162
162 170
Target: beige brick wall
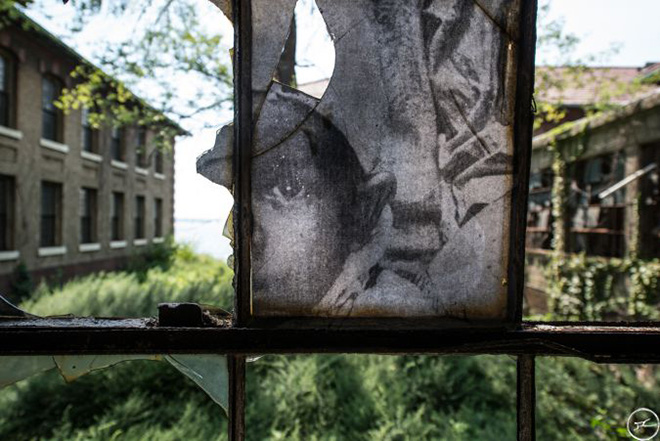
29 162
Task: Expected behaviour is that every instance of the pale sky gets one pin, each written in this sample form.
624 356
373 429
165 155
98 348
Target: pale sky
599 23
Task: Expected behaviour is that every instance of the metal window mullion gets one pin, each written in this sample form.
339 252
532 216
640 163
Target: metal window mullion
242 18
526 398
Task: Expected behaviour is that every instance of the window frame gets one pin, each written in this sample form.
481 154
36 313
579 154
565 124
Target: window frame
54 113
118 144
8 212
158 217
589 238
159 166
238 337
140 217
117 216
89 136
88 215
9 91
54 237
141 147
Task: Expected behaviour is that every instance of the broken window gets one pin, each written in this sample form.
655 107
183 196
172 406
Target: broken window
381 197
539 211
596 217
649 210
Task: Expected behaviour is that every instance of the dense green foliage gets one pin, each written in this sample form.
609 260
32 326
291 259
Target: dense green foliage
137 293
315 397
581 287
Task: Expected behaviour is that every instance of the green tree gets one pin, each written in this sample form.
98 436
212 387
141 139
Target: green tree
166 51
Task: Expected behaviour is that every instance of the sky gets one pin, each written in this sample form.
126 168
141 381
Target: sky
600 23
632 25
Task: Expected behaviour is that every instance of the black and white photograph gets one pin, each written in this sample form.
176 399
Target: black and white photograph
389 195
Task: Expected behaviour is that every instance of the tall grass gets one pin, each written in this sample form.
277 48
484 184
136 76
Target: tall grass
190 278
304 398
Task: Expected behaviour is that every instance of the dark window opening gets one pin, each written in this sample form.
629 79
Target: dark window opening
649 209
7 189
50 114
7 90
89 134
51 214
88 215
117 150
139 217
141 147
117 216
596 224
158 217
539 213
158 161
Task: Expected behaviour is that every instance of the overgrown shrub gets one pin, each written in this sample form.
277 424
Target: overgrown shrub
154 255
304 398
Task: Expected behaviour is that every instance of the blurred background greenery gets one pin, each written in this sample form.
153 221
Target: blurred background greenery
310 397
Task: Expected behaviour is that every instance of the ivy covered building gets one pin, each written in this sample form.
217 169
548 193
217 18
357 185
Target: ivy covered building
593 234
73 198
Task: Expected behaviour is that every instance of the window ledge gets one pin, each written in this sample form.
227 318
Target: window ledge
89 247
54 145
51 251
140 242
158 240
141 171
160 176
116 244
11 133
9 255
95 157
119 164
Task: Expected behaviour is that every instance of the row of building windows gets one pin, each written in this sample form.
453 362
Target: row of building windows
595 213
53 123
52 209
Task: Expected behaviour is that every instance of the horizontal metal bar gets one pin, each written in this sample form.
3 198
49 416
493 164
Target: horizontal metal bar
600 343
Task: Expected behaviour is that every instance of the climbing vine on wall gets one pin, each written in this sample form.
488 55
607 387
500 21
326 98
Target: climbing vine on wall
596 288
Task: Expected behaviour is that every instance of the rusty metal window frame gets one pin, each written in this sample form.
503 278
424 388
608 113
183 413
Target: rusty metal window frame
598 342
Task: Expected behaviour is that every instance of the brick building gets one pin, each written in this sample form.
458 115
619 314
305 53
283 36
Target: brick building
612 198
73 199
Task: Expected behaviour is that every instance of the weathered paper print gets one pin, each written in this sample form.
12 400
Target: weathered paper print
389 196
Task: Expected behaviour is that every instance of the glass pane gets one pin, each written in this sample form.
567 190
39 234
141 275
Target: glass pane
49 125
389 196
49 94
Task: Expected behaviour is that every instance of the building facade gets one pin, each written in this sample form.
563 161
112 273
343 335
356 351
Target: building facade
609 192
73 199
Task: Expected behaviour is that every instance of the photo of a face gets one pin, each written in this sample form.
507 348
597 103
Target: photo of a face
390 195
